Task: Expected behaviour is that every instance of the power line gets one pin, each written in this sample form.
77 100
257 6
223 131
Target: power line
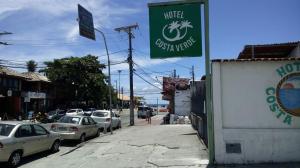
146 81
4 33
147 74
115 52
183 66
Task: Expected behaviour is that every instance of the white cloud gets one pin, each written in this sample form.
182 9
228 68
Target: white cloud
72 35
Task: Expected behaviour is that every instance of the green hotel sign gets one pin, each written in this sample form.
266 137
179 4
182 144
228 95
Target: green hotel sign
175 31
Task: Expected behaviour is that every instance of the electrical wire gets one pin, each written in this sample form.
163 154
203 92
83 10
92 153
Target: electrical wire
146 80
183 66
156 80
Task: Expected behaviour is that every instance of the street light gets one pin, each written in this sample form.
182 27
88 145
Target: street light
109 79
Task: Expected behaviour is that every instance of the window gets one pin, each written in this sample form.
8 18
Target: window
85 121
61 112
72 111
100 114
39 130
24 131
4 82
69 119
16 84
91 121
10 83
5 129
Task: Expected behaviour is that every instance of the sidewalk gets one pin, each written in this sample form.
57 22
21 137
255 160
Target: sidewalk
154 145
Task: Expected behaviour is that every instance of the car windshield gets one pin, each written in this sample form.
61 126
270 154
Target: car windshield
71 111
142 108
52 112
69 119
100 114
5 129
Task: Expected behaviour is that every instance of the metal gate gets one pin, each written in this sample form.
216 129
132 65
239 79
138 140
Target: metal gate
198 114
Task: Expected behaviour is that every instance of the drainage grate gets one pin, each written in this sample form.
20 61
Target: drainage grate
233 148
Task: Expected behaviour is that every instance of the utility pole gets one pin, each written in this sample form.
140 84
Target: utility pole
193 74
4 33
116 81
156 105
122 99
128 30
174 75
119 91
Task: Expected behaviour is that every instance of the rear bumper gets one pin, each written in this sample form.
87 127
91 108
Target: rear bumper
69 136
4 155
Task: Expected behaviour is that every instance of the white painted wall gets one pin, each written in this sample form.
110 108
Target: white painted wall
182 102
242 114
295 52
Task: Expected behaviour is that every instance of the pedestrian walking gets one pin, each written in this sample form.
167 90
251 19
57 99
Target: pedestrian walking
148 116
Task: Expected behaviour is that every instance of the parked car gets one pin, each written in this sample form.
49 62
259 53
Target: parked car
153 111
89 111
103 118
55 114
166 118
75 112
76 127
142 111
19 139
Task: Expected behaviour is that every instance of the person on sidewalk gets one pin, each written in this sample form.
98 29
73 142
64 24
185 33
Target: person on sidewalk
148 116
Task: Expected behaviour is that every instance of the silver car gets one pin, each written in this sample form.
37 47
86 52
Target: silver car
103 118
76 127
19 139
75 112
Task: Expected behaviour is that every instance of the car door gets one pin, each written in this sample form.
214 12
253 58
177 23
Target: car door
25 136
86 126
44 141
114 120
93 124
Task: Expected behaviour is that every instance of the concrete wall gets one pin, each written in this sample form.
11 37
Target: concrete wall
295 52
247 116
182 102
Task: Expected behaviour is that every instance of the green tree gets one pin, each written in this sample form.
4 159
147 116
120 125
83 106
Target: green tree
78 79
31 66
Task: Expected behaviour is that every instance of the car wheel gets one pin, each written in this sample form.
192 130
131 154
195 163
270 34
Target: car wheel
108 129
55 146
98 132
14 159
119 125
82 138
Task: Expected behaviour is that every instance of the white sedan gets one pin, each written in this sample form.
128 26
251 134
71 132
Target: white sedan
76 127
103 118
19 139
75 112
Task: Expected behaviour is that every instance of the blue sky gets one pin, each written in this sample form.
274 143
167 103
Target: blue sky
44 30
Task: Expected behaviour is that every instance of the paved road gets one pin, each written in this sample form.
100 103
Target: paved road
143 145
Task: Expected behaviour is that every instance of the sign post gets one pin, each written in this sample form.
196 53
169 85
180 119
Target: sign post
175 31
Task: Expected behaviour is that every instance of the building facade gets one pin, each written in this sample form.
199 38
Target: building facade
10 93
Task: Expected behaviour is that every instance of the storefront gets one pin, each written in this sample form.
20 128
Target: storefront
10 93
